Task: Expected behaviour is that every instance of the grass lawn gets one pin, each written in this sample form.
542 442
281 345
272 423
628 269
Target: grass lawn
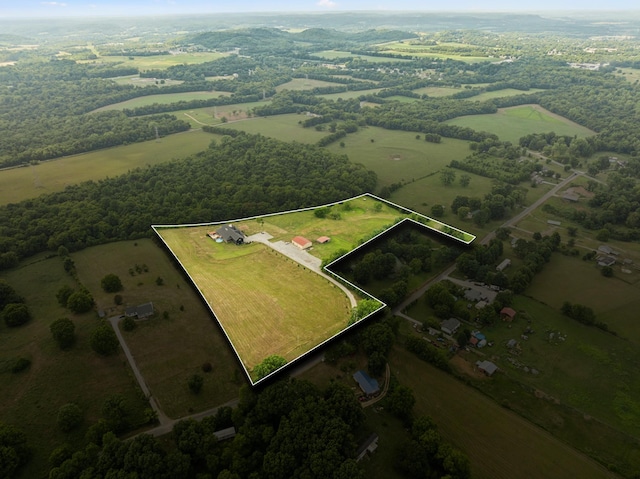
18 184
164 99
167 349
31 399
304 84
398 156
499 443
510 124
282 127
255 293
160 62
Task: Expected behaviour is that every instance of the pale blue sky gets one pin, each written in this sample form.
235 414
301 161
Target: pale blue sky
39 8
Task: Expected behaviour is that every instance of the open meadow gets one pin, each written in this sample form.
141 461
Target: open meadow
19 184
282 127
437 91
348 95
510 124
30 399
298 84
490 95
502 444
160 62
168 348
397 156
333 54
163 99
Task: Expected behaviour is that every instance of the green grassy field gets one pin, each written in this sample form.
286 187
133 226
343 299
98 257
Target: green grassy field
347 95
31 399
332 54
168 350
282 127
630 74
499 443
397 155
437 91
304 84
18 184
137 80
489 95
510 124
255 293
164 99
160 62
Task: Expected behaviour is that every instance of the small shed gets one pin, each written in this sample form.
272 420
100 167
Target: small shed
507 314
368 385
301 242
487 367
450 326
323 239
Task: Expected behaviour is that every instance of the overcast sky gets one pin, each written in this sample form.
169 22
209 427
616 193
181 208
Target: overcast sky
38 8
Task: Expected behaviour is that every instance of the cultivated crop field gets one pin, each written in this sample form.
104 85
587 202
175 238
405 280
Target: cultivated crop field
510 124
398 156
164 99
178 339
502 444
267 303
18 184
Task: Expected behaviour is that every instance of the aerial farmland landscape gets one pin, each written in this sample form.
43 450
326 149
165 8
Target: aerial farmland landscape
336 240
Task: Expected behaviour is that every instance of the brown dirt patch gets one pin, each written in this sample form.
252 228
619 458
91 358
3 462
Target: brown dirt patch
466 367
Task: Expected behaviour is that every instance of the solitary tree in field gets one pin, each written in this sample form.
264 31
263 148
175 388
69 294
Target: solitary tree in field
69 417
195 383
447 177
104 340
465 180
15 314
80 302
111 283
63 331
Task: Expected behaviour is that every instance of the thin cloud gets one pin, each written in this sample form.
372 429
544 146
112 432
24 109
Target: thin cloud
54 4
327 3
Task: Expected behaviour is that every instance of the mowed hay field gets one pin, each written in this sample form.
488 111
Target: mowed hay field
304 84
499 443
19 184
511 124
170 348
30 399
266 303
164 99
397 155
282 127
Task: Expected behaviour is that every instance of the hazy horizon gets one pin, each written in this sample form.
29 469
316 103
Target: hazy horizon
92 8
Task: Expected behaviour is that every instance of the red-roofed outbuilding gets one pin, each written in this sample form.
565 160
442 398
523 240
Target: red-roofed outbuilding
507 314
301 242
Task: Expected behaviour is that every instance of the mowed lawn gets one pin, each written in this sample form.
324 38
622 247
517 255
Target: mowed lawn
398 156
30 400
266 303
164 98
499 443
510 124
19 184
169 348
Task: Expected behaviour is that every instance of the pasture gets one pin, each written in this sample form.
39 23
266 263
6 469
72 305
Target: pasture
298 84
19 184
170 348
502 444
160 62
510 124
30 399
333 54
397 156
282 127
213 115
266 303
348 95
437 91
137 80
490 95
163 99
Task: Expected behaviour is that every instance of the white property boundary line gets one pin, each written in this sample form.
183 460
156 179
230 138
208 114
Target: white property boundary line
402 209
